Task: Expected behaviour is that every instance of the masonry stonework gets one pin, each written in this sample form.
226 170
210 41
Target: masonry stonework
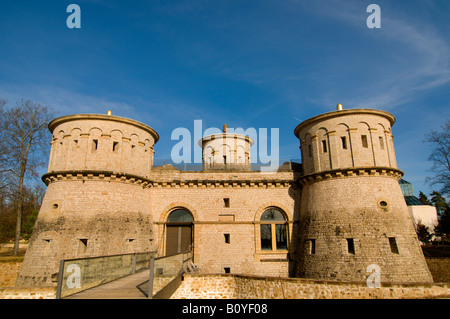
329 218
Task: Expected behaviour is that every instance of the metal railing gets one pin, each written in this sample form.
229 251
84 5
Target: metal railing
283 164
77 275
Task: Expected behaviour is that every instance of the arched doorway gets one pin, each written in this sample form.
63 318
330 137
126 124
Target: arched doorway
179 230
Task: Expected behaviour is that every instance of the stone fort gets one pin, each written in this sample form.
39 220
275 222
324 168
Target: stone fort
329 217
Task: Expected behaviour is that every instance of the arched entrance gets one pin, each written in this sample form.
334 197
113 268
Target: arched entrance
179 230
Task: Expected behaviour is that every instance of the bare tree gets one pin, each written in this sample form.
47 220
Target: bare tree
3 169
440 157
24 137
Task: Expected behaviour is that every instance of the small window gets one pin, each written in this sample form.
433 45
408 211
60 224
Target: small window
344 142
226 202
393 244
350 246
364 141
381 143
224 159
309 150
324 146
312 246
84 241
115 146
94 145
227 238
227 270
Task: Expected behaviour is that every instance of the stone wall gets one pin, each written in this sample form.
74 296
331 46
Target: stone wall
439 268
253 287
356 221
344 139
8 273
101 142
248 194
41 293
86 218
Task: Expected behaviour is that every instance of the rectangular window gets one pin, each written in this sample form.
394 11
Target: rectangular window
344 142
226 202
393 244
94 145
350 246
312 246
364 141
227 270
381 143
82 246
280 233
115 146
324 146
227 238
266 237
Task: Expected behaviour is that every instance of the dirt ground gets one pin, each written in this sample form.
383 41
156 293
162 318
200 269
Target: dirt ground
6 254
438 261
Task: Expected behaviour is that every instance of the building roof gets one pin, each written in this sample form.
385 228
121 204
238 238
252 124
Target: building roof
413 201
407 188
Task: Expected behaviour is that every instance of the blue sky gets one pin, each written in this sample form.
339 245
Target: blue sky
261 64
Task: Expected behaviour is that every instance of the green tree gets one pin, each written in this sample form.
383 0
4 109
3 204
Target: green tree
443 227
423 233
424 199
29 224
439 202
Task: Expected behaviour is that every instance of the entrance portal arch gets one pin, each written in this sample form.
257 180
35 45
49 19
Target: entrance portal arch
179 231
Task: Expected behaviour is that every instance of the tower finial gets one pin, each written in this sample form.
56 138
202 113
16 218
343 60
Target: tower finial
224 128
339 107
109 112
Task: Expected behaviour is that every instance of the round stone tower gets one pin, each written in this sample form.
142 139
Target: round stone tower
226 151
97 200
353 213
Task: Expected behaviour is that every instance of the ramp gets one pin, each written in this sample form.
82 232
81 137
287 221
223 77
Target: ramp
112 277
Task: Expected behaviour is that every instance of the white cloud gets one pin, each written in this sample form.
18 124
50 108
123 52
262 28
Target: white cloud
414 57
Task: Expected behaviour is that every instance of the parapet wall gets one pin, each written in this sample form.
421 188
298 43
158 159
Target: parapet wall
253 287
101 142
